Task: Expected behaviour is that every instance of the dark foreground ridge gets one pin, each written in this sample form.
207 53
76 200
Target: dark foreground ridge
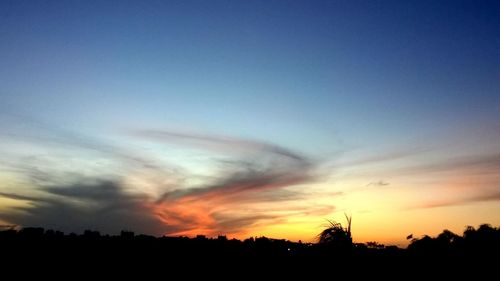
474 252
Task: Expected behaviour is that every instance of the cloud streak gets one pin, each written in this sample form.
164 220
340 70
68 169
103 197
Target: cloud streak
216 207
252 178
216 142
102 205
479 164
379 183
482 196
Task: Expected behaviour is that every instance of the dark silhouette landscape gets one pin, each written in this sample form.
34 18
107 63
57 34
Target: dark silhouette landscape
474 252
214 139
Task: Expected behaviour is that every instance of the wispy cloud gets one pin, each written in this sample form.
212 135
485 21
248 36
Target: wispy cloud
481 172
385 157
221 143
20 197
478 164
205 205
55 139
480 196
254 174
102 205
378 183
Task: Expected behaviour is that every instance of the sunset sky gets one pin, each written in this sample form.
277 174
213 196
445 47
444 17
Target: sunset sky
250 118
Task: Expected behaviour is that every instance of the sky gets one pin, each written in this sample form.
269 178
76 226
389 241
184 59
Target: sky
250 118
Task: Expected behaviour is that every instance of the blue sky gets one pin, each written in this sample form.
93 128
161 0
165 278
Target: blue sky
333 81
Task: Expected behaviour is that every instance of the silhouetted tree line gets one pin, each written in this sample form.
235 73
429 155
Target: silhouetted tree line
478 247
485 240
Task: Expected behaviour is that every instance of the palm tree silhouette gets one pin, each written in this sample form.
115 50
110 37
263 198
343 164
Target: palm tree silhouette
336 235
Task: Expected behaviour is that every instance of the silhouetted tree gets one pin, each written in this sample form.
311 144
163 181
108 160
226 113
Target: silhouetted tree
125 234
336 235
374 245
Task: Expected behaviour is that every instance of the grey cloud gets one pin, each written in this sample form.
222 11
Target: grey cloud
387 156
239 188
378 183
231 224
260 174
250 181
247 174
217 142
479 163
483 196
39 133
101 205
257 172
19 197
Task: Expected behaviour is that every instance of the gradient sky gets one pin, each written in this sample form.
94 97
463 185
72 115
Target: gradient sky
250 118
